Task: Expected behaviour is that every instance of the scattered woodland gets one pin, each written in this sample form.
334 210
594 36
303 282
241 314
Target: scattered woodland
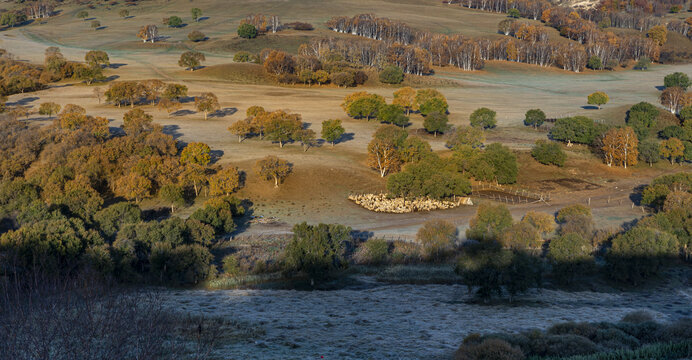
93 204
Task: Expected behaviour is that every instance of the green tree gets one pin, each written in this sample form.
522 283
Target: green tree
598 98
196 13
332 130
196 36
578 129
124 13
483 118
672 149
224 182
489 222
649 152
207 102
247 31
49 108
282 129
642 117
306 137
503 161
273 168
548 153
317 251
366 107
95 24
640 253
392 75
89 73
594 63
136 122
97 57
175 92
466 135
513 13
520 236
82 14
534 117
174 22
392 114
570 255
572 210
678 79
173 195
241 128
112 218
436 122
191 60
219 212
433 105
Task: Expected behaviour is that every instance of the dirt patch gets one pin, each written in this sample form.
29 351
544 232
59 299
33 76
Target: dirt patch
570 184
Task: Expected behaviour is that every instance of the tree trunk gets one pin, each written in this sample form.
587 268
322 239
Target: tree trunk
281 144
276 181
205 115
240 139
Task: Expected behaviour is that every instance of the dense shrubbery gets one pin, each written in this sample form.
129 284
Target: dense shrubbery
548 153
317 251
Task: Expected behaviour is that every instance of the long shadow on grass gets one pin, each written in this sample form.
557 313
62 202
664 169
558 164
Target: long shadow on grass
172 130
223 112
23 101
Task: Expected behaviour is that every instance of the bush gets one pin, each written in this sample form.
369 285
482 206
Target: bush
576 209
678 79
578 129
343 79
437 238
288 79
594 63
521 236
219 213
244 56
489 223
489 349
392 75
373 251
231 265
405 252
247 31
196 36
548 153
174 21
534 117
317 251
640 253
570 255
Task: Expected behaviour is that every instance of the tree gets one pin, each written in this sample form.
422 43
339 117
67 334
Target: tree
83 14
169 106
436 122
49 108
342 79
196 36
674 98
489 222
95 24
98 92
406 98
570 255
136 121
174 92
172 194
579 129
97 58
273 168
282 126
521 236
677 79
320 77
196 14
483 118
112 218
548 153
247 31
173 21
424 96
218 212
534 117
643 63
148 33
572 210
241 128
196 153
503 161
437 238
673 149
642 117
207 102
317 251
366 107
306 76
124 13
332 130
191 60
543 222
391 75
12 18
513 13
433 105
133 187
89 73
466 135
649 152
620 147
279 63
383 156
594 63
659 34
224 182
640 253
306 137
598 98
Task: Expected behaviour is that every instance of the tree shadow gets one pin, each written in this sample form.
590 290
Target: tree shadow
24 101
172 130
186 99
223 112
116 65
202 18
101 28
345 137
243 222
660 87
216 155
129 17
110 78
116 131
589 107
636 195
183 112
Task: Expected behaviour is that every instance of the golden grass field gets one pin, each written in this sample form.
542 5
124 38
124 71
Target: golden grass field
324 176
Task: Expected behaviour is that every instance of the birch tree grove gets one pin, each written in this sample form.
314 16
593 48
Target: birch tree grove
620 147
148 33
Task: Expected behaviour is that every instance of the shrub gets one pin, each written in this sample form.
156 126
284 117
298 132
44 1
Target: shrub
373 251
576 209
231 265
489 223
521 236
578 129
405 252
637 317
570 255
343 79
548 153
678 79
247 31
288 79
219 213
534 117
197 36
174 21
317 251
391 75
489 349
437 238
640 253
594 63
244 56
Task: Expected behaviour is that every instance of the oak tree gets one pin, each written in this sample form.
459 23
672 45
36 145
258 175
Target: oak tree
273 168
